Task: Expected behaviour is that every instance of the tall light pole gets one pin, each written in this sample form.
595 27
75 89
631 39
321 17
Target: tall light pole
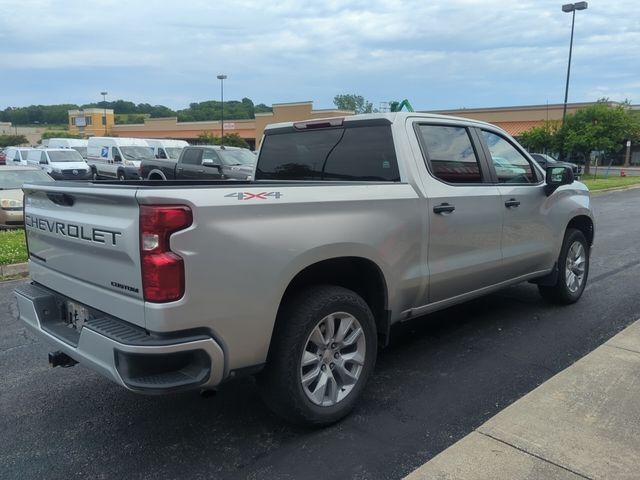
222 79
104 105
570 8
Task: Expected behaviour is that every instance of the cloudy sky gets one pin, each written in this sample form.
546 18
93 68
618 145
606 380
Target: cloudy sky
438 54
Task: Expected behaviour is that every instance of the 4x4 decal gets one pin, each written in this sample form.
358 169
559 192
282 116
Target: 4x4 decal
254 196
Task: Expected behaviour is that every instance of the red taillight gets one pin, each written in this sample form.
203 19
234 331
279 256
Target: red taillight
162 269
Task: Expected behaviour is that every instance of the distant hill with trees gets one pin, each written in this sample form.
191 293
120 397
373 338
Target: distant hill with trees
129 112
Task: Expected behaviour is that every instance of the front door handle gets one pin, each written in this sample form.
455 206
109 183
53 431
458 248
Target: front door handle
512 202
443 208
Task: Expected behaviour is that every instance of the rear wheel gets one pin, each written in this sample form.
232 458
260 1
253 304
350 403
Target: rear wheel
321 356
573 270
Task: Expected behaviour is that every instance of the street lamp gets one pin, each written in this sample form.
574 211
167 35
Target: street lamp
570 8
104 105
222 79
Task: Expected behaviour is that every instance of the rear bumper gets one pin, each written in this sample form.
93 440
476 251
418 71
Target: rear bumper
128 355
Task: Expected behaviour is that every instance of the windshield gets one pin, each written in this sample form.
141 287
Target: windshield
65 156
12 179
137 153
173 152
81 150
237 157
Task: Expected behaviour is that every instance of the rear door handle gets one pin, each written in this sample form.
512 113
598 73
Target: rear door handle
512 202
444 208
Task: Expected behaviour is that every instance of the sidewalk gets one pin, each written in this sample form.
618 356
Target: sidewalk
582 423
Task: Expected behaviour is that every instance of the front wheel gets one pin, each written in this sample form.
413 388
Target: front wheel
121 176
322 354
573 270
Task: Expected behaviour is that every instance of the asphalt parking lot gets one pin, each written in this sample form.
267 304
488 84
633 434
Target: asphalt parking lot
442 376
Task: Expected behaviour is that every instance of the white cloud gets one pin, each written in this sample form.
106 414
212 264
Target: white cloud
444 54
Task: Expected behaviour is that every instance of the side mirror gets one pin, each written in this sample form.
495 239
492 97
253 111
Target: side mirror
210 163
117 158
557 176
43 162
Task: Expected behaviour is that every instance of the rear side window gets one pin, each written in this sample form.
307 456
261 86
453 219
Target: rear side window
450 154
192 156
338 154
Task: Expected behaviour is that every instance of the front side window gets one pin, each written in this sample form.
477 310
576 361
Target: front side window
353 153
510 165
191 156
137 153
210 155
450 153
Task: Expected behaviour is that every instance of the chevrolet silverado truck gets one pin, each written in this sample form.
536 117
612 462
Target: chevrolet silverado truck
207 162
350 226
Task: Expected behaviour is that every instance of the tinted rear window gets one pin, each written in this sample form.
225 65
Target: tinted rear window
338 154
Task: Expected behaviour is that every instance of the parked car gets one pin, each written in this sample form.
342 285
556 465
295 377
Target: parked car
17 155
202 162
351 225
117 157
545 161
60 163
3 157
77 144
12 177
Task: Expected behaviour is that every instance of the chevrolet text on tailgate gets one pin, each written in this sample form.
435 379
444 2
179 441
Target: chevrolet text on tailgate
350 226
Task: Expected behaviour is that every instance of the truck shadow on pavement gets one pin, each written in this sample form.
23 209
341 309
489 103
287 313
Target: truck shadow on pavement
441 376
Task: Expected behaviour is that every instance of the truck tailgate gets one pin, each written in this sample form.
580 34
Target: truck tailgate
84 243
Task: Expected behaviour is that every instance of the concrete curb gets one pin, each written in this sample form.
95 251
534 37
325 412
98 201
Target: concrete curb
581 423
614 189
13 270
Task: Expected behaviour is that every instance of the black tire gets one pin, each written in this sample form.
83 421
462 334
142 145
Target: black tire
121 176
281 381
561 293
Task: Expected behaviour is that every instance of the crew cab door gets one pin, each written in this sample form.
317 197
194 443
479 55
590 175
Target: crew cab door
527 234
199 164
464 212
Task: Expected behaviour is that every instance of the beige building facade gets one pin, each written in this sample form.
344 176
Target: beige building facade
91 122
516 120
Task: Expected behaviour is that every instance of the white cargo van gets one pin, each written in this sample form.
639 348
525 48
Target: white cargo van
115 157
17 155
78 144
60 163
166 148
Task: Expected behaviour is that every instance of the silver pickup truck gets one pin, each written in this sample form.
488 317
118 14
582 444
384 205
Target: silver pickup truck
350 226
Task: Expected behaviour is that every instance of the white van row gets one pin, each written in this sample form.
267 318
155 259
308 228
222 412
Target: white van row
115 157
97 157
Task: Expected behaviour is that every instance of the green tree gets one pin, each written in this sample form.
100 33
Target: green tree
599 127
541 139
58 134
10 140
230 140
353 102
